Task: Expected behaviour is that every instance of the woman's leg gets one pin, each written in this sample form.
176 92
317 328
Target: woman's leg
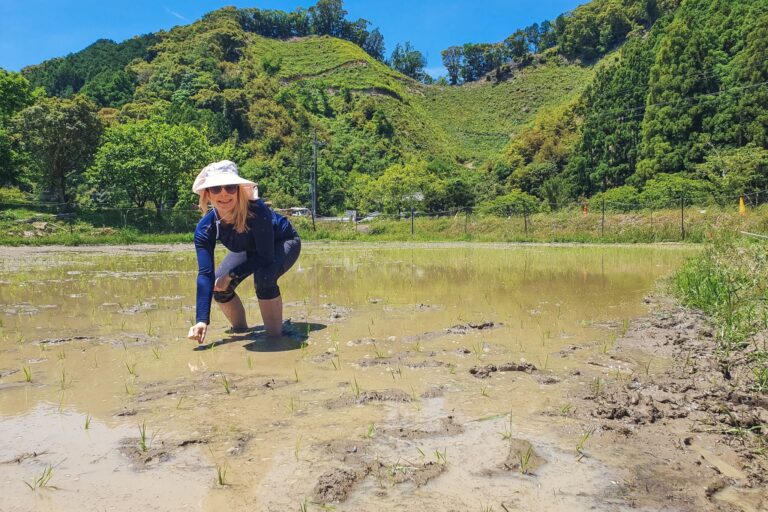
267 290
272 315
233 307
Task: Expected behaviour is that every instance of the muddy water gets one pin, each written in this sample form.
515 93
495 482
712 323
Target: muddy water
367 404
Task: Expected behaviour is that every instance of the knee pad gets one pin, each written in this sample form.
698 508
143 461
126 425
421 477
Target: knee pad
224 297
268 292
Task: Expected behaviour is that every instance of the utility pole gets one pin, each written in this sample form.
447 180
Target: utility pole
313 177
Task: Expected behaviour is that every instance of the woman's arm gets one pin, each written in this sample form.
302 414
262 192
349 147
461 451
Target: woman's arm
204 247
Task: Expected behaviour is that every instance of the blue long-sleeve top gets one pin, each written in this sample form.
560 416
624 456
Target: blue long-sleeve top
264 228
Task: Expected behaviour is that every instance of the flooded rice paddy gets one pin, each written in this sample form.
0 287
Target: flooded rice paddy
429 377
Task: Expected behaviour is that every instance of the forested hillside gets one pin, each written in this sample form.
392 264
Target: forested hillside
637 101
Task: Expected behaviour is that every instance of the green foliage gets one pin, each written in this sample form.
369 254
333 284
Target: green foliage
736 171
103 62
667 190
15 94
408 61
620 199
147 161
62 136
515 202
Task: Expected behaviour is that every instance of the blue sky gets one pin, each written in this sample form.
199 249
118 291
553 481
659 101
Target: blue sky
32 31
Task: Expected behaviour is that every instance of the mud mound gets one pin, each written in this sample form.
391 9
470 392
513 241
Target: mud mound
522 457
333 486
483 372
386 395
447 427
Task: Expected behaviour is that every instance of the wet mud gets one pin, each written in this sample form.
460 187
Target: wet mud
548 390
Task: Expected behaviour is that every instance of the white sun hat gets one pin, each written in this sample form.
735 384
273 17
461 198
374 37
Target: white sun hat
217 174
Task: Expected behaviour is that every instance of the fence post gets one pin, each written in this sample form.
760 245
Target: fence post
525 220
602 221
411 221
682 216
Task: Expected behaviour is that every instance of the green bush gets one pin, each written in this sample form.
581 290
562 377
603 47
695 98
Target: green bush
620 199
516 202
667 190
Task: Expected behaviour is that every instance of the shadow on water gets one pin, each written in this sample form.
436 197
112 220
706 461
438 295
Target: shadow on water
295 334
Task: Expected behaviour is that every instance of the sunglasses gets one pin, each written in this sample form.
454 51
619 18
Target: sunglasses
231 189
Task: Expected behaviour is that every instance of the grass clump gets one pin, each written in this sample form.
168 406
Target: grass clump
729 283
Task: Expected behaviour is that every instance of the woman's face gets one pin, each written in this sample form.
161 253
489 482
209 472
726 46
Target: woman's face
223 200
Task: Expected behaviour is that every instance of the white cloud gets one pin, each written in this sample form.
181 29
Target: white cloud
176 15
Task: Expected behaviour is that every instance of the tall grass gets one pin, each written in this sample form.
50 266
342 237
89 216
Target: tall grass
729 282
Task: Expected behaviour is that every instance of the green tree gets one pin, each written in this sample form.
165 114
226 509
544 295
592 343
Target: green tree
149 161
736 171
408 61
15 94
61 135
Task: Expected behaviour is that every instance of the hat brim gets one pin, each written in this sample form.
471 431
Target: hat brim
219 180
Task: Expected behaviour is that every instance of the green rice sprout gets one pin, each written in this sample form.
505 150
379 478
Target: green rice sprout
64 380
596 387
582 441
225 383
156 352
484 390
27 373
145 442
42 480
249 362
88 421
566 409
221 475
355 388
371 431
131 369
178 404
297 448
525 460
296 374
441 457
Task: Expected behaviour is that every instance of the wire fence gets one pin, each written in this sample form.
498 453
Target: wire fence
598 217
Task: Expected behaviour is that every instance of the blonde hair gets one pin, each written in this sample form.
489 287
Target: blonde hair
239 215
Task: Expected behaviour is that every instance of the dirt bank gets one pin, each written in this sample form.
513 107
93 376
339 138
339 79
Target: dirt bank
695 431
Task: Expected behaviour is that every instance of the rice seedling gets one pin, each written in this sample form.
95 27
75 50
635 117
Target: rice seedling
249 362
624 326
336 363
486 508
20 337
156 352
507 434
525 460
596 387
62 355
371 431
145 442
760 378
64 379
27 373
88 421
417 346
297 448
128 388
42 480
178 404
294 404
478 349
582 441
304 505
355 388
221 475
225 383
421 452
441 457
647 367
484 390
131 369
566 409
379 353
296 374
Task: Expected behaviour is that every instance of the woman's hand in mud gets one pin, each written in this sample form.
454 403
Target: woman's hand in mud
222 283
197 332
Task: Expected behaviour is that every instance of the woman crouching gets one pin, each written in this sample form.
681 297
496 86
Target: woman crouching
261 242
